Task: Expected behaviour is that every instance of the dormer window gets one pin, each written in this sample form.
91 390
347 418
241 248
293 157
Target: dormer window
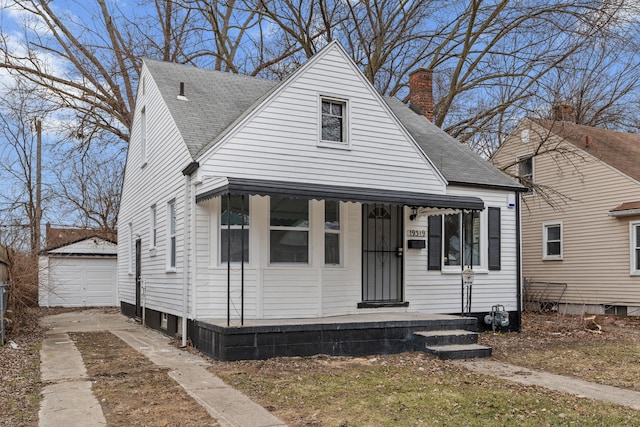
334 122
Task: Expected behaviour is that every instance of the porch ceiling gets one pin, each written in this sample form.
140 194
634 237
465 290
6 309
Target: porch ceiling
303 190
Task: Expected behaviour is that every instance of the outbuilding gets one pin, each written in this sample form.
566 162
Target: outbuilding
77 269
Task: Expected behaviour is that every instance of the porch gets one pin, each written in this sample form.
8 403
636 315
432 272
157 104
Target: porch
448 336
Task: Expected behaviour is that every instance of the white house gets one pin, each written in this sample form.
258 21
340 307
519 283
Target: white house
252 208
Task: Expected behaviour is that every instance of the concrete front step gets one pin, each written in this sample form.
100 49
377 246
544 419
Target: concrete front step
424 339
459 351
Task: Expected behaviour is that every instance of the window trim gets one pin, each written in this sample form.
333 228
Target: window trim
307 229
545 235
143 136
131 249
483 248
153 227
345 144
220 227
332 231
519 160
634 245
172 244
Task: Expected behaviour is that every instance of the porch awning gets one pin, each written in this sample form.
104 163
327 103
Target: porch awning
626 209
301 190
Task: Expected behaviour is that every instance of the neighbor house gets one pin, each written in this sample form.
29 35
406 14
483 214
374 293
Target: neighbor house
581 218
78 268
312 215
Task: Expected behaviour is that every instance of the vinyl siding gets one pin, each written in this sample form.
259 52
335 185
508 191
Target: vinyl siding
440 291
158 182
280 141
596 259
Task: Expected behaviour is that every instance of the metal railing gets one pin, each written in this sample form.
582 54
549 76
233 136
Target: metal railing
543 296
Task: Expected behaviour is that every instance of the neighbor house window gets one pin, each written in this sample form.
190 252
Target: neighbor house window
331 232
143 136
153 228
635 248
334 121
462 239
289 230
234 229
171 220
552 241
525 171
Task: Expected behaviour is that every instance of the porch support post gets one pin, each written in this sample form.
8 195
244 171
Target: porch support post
228 259
242 263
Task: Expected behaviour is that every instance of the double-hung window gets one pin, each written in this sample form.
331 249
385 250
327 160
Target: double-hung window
234 229
334 120
331 232
462 239
289 231
171 220
525 171
153 228
465 239
635 248
552 241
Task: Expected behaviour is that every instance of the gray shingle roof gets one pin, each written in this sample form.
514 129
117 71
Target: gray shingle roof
215 100
456 161
218 100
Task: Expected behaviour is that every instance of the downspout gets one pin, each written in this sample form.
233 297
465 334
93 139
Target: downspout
241 263
518 263
228 259
186 260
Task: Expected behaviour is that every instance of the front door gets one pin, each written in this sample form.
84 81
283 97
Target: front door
381 253
138 276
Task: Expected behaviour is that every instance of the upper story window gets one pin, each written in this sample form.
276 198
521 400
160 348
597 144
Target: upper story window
525 171
143 136
334 122
331 232
234 229
153 228
635 248
552 241
289 231
172 226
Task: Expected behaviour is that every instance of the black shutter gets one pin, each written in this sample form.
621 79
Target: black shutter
435 242
494 238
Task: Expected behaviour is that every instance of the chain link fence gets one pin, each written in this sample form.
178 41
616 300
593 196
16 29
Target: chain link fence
4 293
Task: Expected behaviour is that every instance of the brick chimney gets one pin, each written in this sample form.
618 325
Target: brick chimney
563 112
421 92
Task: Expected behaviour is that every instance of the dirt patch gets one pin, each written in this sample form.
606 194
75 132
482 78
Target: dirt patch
132 390
20 384
605 352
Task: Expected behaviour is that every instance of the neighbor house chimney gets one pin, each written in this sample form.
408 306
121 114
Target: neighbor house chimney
563 112
421 92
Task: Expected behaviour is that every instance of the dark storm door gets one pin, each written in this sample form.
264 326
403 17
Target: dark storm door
138 276
381 253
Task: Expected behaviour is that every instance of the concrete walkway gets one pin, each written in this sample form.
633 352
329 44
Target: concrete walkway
227 405
561 383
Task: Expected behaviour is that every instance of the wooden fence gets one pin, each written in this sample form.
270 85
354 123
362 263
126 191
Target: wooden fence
4 264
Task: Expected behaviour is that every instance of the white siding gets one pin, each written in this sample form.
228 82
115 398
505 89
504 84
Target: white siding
440 291
276 291
280 141
157 182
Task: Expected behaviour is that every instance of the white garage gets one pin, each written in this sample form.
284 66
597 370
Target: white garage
79 274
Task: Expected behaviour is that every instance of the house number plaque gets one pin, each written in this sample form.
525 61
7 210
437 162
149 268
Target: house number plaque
416 233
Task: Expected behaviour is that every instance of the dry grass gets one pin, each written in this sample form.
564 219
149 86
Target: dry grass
411 389
131 389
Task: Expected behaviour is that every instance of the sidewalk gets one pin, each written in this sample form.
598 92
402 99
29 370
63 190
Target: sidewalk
70 398
560 383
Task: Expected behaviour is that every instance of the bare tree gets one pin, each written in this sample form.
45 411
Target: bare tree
20 111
